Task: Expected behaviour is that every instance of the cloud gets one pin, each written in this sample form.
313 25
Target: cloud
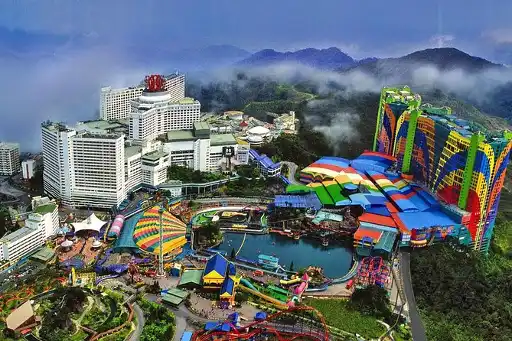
59 88
342 128
499 36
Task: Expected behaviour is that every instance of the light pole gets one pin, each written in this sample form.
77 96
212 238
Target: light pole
161 272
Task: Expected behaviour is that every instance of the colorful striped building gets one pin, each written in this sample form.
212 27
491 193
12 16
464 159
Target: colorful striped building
458 161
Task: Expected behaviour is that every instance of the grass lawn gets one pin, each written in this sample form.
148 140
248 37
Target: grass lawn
204 218
337 314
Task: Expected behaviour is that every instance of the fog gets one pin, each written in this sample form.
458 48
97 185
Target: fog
66 87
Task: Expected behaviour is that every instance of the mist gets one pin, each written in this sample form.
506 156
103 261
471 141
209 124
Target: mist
62 87
65 87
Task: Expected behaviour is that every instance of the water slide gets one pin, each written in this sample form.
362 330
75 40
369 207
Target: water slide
350 274
253 291
101 279
291 281
248 284
299 289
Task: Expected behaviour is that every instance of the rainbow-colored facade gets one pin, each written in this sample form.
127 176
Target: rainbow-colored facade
455 159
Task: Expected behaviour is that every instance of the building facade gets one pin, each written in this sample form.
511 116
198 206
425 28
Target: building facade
28 168
41 224
155 113
9 158
115 104
83 169
458 162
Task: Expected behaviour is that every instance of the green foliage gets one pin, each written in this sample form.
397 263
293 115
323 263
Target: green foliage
160 322
462 295
255 187
372 300
337 313
248 171
188 175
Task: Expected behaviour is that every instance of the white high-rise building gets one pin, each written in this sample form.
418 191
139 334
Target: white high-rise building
115 104
97 163
41 224
155 113
83 169
9 158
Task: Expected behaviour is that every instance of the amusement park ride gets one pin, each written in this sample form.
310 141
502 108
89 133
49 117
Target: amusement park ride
297 323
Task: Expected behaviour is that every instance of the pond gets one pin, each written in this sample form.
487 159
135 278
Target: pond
336 260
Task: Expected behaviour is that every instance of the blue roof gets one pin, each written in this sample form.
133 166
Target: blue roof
217 263
228 286
309 200
371 162
186 336
334 161
231 269
264 160
425 219
261 315
219 326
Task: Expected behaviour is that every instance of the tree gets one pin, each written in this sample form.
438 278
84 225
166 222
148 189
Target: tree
284 169
233 254
291 266
372 300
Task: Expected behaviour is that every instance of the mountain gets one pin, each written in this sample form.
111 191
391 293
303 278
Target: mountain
331 58
444 59
450 70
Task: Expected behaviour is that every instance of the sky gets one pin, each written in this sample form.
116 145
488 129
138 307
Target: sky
361 28
65 86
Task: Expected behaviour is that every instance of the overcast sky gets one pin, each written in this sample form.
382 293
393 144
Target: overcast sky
358 27
65 85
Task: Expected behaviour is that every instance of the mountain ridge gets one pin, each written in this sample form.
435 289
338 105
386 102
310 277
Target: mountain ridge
329 58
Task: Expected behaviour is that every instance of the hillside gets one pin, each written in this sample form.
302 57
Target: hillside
329 59
451 70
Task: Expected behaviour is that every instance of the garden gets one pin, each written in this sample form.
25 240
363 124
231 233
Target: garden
159 321
361 314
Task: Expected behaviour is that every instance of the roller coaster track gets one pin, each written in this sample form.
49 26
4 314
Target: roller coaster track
284 325
241 245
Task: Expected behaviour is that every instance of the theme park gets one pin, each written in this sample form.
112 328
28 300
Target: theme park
261 268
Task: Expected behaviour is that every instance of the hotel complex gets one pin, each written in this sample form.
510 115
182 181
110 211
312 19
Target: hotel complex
115 104
9 158
97 163
430 176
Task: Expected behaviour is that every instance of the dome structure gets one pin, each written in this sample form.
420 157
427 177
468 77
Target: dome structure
66 244
147 232
255 139
155 97
259 131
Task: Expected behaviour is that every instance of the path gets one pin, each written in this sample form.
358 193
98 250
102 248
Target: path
292 169
417 328
140 323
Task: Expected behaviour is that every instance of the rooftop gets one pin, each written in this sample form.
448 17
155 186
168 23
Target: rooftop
99 125
9 146
187 100
155 156
191 276
131 151
18 234
222 140
43 209
201 125
44 254
180 135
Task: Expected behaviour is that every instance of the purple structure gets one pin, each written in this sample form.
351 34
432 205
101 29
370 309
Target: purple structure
117 225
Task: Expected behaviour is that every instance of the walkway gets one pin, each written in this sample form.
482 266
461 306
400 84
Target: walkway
292 169
417 328
140 323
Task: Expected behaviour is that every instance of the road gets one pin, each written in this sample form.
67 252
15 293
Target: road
292 169
417 328
140 323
